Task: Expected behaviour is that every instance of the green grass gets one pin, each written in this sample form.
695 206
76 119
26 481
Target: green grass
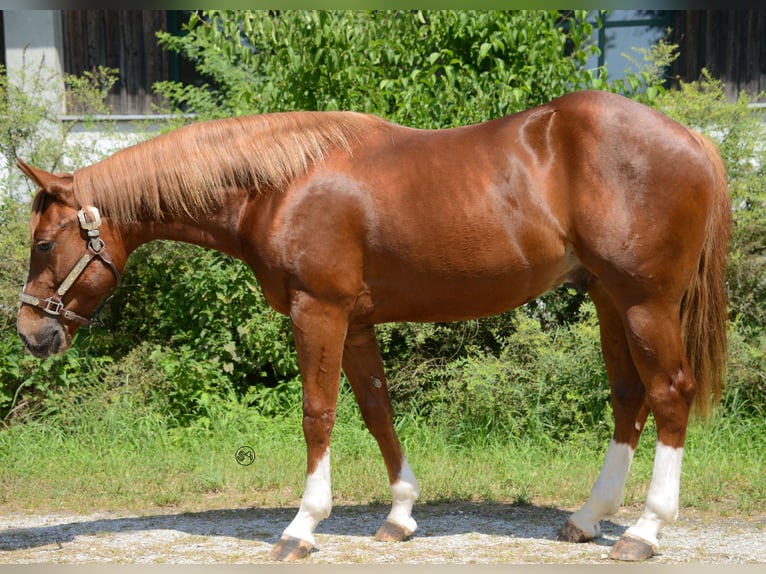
112 456
724 466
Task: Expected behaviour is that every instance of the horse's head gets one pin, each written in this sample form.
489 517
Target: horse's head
70 268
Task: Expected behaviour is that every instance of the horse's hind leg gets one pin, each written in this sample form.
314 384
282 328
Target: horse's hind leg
630 412
654 337
364 368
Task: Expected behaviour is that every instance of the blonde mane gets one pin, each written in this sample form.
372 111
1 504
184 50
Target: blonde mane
184 171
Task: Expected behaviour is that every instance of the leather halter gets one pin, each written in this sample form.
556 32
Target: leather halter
90 220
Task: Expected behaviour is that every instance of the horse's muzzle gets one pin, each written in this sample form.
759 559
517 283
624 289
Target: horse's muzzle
48 338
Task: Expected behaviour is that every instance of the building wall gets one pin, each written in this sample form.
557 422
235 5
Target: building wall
731 44
124 40
33 42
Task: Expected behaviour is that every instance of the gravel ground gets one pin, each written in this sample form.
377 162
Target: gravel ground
480 533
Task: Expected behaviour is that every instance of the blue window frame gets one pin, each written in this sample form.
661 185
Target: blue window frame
623 30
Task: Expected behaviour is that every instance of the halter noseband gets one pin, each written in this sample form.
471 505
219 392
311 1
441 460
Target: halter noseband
90 220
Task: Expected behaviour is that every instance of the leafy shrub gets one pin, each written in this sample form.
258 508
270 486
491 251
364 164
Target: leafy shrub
208 302
14 241
745 395
30 123
428 68
740 133
30 127
201 320
444 68
544 385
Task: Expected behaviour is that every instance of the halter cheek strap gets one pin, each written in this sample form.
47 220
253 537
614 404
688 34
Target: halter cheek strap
90 221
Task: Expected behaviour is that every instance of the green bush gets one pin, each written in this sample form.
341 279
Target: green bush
444 68
30 127
188 296
745 395
15 364
428 68
30 124
544 385
190 323
740 132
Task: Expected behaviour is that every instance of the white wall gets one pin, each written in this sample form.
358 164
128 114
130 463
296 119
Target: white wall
34 39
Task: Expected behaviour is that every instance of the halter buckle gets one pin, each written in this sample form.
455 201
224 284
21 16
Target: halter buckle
52 306
95 218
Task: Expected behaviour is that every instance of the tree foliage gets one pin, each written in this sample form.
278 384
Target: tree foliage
422 68
30 124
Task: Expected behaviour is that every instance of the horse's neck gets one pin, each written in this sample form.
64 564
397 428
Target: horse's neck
217 230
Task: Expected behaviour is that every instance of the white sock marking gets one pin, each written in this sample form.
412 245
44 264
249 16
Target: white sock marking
316 503
404 493
606 494
662 499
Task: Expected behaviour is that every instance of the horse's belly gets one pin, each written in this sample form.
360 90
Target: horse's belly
407 293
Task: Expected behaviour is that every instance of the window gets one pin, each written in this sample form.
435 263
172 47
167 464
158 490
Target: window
627 29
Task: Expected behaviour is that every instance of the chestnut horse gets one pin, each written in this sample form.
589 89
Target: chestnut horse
348 220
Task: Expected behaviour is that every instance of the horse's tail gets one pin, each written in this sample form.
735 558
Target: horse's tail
704 318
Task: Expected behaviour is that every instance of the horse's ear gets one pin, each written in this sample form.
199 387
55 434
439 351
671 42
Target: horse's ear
59 185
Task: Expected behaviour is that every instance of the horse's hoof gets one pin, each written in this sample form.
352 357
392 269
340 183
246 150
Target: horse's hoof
290 549
632 549
570 532
391 532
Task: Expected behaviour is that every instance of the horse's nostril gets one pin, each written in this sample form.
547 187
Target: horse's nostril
41 351
54 342
24 339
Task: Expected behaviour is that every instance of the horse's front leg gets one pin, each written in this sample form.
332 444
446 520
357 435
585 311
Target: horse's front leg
319 330
364 368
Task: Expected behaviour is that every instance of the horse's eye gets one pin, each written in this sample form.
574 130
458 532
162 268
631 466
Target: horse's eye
43 246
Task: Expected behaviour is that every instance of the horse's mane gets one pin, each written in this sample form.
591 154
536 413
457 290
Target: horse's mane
184 170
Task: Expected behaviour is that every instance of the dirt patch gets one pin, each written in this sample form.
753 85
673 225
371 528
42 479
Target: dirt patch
448 533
